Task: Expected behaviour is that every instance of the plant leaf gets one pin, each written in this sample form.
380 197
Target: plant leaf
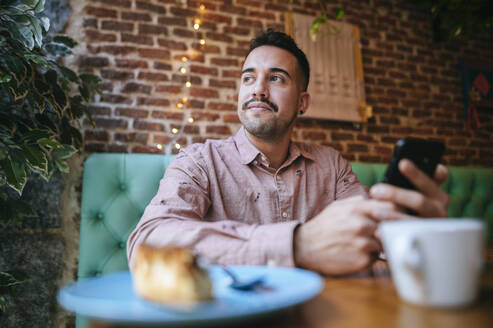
40 6
49 143
89 78
36 31
46 23
69 42
36 158
40 60
5 78
64 152
15 173
62 165
69 74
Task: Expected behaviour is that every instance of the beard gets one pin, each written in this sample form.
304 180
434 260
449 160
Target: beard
269 128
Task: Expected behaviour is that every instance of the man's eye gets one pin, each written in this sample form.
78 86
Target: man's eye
276 78
247 79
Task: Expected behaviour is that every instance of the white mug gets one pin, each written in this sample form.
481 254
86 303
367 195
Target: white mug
435 262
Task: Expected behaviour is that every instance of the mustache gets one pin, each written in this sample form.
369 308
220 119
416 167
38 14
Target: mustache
262 99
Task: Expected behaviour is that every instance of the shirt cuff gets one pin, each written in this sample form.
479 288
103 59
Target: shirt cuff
277 243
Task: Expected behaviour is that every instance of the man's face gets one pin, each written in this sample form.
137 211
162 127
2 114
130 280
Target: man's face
270 93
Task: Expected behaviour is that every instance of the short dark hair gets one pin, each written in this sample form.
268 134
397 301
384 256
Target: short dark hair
283 41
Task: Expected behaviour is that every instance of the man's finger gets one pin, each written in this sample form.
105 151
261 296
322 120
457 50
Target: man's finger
418 178
441 174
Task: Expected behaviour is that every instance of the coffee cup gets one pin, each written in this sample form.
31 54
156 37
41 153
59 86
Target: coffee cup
435 262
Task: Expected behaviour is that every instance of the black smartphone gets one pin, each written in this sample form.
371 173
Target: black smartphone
425 154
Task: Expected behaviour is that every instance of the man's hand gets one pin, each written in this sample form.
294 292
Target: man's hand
340 239
428 201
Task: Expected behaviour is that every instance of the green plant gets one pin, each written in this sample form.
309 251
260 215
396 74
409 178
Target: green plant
459 18
40 102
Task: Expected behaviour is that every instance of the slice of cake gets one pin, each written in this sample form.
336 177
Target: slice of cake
170 275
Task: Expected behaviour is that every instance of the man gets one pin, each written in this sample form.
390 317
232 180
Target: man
259 198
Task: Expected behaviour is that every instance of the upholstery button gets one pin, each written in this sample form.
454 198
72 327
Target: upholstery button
97 273
284 214
100 215
121 244
123 186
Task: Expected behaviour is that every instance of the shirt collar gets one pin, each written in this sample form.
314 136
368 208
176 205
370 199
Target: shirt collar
248 152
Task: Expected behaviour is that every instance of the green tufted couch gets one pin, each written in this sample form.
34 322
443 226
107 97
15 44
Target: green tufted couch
117 187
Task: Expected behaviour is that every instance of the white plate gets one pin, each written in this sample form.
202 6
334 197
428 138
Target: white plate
111 297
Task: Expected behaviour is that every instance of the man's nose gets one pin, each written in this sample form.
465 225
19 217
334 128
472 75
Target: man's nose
260 89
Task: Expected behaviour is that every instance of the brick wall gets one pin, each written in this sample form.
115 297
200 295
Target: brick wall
413 83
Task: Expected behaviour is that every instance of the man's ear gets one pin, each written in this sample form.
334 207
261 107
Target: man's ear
303 102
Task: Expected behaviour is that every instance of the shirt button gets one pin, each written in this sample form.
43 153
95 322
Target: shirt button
264 158
255 162
284 214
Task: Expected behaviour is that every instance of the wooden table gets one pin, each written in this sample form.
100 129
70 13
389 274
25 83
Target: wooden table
373 302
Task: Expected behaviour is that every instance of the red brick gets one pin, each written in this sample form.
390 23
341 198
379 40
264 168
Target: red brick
117 26
367 158
251 3
115 99
154 53
341 136
138 17
261 14
85 61
162 102
248 22
115 148
207 48
138 39
145 149
203 92
222 84
162 66
111 123
96 36
113 50
169 88
177 116
233 9
218 18
218 129
152 29
116 3
218 37
224 61
241 52
203 70
221 106
236 30
116 75
183 33
171 44
133 87
99 110
313 135
148 126
172 21
96 135
100 12
195 104
183 12
208 5
90 22
160 139
365 137
146 6
274 7
95 147
130 63
196 80
205 116
105 86
231 118
231 73
153 76
131 112
193 57
191 129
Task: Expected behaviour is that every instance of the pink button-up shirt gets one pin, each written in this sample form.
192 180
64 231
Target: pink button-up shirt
222 199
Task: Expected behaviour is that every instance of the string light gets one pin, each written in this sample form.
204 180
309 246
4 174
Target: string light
159 146
188 84
174 130
183 70
202 7
191 120
202 42
184 59
177 146
179 105
184 100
